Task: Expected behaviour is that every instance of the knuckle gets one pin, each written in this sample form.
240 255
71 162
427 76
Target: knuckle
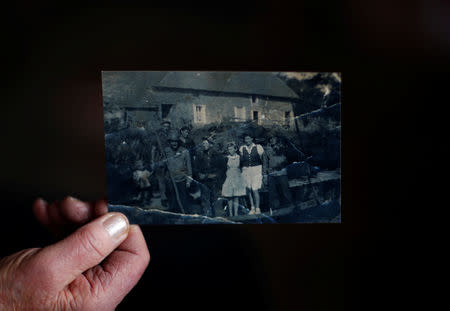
99 281
66 301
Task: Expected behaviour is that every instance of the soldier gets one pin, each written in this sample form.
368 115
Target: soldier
207 172
164 131
157 159
277 163
185 140
179 174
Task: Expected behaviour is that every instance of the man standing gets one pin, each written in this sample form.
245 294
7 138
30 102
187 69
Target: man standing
165 130
207 172
277 173
185 140
253 166
180 174
157 158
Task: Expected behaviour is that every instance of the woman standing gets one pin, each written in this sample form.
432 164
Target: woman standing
234 185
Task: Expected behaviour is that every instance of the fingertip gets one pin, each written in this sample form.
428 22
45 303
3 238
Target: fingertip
39 203
40 211
54 214
75 211
101 208
117 225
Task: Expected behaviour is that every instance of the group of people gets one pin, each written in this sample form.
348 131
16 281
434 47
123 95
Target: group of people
190 175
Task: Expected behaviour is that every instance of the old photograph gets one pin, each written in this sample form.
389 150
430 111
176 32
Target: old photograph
186 147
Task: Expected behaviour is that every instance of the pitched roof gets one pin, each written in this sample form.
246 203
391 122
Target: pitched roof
253 83
117 84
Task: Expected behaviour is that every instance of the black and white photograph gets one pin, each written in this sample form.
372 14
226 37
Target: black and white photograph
185 147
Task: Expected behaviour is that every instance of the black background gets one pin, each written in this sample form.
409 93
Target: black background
394 59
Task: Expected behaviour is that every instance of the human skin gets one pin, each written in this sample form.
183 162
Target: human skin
205 144
174 144
99 260
248 140
185 133
232 150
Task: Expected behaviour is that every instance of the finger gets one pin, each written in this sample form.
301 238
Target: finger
101 208
130 259
50 216
120 272
40 211
54 214
75 211
64 217
62 262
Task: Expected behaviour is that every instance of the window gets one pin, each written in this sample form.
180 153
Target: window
239 114
199 113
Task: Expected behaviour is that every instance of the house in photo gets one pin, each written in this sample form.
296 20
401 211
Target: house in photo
201 98
214 97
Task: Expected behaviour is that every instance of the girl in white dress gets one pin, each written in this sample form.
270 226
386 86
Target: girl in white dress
234 185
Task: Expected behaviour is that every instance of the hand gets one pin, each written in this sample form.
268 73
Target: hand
91 269
264 179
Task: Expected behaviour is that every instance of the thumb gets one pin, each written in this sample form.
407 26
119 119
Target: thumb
82 250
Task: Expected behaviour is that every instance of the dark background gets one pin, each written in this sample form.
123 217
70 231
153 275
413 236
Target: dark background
394 59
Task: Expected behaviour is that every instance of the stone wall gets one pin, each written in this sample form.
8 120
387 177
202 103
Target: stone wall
221 108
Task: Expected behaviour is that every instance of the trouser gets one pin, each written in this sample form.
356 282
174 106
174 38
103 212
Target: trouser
208 198
183 195
279 186
160 176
